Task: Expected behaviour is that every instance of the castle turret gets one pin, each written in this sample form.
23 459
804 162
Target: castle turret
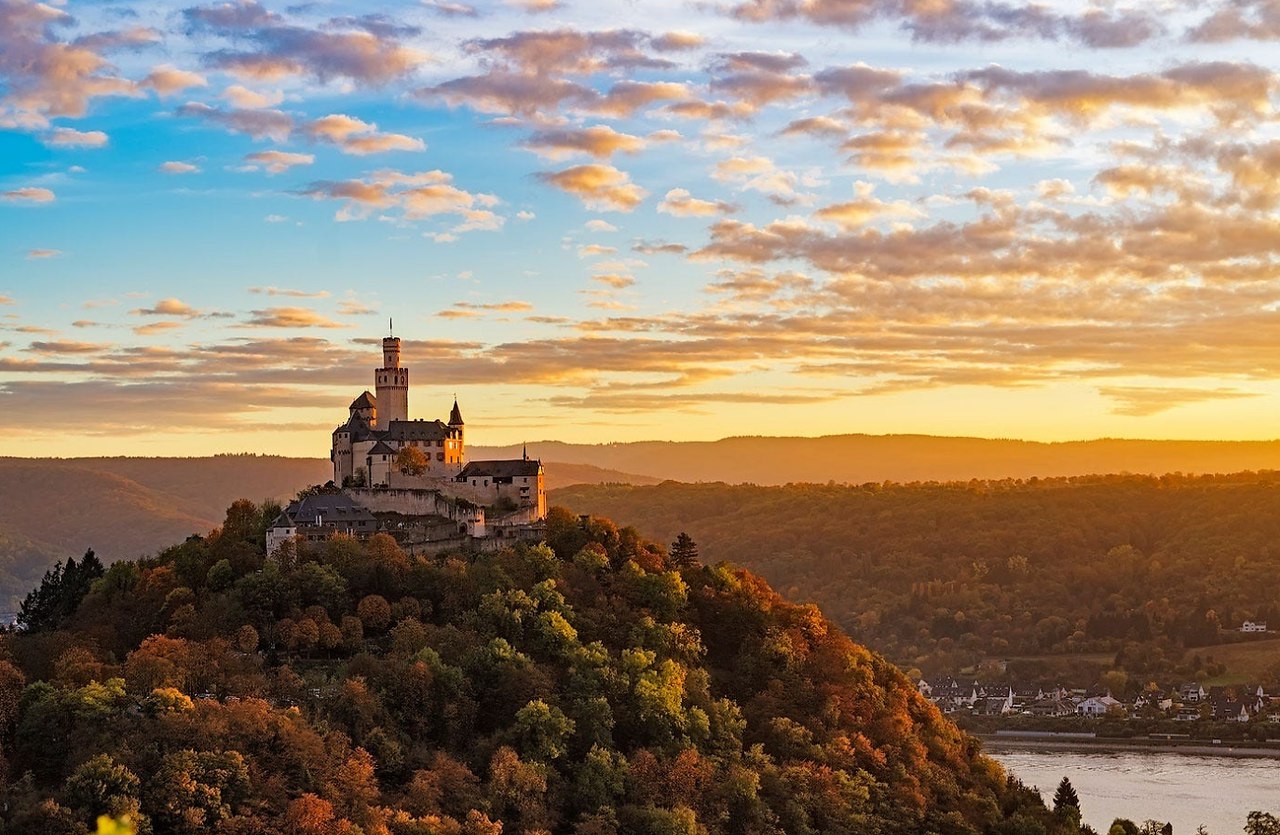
392 384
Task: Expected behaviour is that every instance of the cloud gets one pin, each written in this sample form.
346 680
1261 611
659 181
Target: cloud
659 248
1256 20
290 317
818 126
37 254
72 138
617 281
598 225
444 8
166 80
417 196
1139 401
28 194
364 54
66 346
152 328
757 79
353 136
681 203
168 307
599 141
865 209
960 21
245 99
350 307
463 310
275 162
178 167
290 293
535 6
599 187
46 77
260 124
509 93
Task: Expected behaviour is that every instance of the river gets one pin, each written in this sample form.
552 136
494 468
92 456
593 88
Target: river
1183 789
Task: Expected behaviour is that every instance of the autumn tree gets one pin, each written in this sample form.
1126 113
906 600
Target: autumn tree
411 460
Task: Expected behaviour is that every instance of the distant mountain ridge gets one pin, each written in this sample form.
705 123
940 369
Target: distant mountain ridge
131 506
857 459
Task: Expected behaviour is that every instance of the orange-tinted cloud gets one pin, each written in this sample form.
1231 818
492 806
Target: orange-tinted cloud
599 187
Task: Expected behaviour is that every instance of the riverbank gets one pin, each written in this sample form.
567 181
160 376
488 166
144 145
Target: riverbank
1182 788
1102 745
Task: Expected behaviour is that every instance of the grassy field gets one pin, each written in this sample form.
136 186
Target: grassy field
1246 661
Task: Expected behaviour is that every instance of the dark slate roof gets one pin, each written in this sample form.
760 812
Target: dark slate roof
381 448
335 508
500 469
365 401
455 416
418 430
357 425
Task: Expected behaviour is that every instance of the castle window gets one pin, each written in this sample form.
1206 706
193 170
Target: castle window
439 456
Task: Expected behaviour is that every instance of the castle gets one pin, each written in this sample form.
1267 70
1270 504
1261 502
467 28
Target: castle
410 478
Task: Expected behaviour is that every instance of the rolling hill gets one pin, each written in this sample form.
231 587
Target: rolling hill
856 459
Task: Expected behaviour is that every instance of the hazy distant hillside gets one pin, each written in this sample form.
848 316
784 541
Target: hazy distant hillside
861 458
566 475
205 486
51 509
71 508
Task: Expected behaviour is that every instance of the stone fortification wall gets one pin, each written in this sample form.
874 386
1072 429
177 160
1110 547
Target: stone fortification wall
405 501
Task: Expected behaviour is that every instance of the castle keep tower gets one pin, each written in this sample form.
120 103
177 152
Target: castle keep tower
392 384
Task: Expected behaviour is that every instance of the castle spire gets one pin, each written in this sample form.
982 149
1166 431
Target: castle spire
455 415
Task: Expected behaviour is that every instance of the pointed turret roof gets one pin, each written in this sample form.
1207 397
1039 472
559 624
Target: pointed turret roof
364 401
455 416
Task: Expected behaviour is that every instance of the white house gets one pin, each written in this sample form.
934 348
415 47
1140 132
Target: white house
1253 626
1098 705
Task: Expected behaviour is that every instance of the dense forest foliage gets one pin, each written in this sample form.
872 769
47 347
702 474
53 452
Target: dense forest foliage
937 576
589 685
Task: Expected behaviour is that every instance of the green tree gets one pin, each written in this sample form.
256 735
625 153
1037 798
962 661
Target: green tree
543 731
99 782
684 551
1066 797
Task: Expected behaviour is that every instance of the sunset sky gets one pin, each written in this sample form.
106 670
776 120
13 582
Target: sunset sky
599 221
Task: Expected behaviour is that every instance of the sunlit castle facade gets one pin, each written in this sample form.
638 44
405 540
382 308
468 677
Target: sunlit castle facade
366 447
429 502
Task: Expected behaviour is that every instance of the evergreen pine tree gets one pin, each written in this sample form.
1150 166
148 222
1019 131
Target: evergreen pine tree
684 551
1066 797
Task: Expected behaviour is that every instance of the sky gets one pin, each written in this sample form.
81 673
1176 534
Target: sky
611 221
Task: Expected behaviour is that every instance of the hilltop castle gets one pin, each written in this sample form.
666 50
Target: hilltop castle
365 448
410 478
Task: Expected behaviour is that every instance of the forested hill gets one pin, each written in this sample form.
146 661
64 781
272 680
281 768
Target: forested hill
856 459
594 686
939 575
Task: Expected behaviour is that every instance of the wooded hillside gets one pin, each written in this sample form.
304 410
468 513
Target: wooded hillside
939 575
593 687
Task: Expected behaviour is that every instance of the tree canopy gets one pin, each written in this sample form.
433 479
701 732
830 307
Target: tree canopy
589 685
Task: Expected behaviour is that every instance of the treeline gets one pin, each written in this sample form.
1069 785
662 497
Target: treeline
938 575
592 685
